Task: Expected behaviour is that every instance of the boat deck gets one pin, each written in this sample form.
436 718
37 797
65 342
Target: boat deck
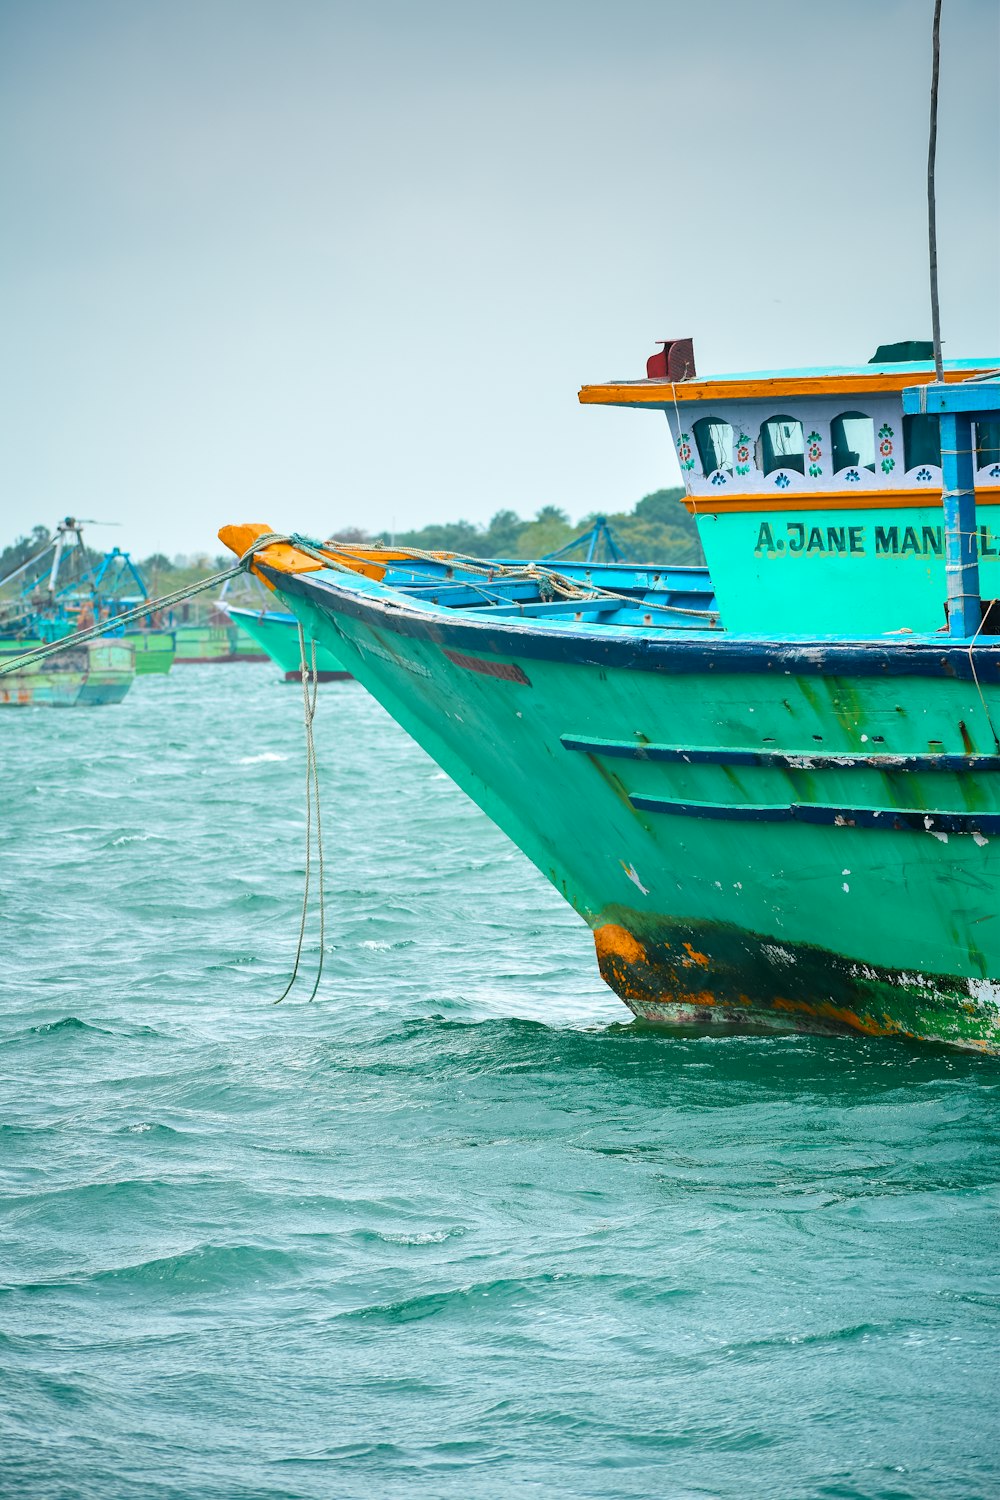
613 594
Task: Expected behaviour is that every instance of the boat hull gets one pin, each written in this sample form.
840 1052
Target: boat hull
214 644
154 651
278 635
801 837
716 976
87 676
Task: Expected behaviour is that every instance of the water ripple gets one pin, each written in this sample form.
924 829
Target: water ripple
459 1227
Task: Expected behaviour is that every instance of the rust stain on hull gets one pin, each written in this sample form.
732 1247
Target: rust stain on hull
751 982
613 942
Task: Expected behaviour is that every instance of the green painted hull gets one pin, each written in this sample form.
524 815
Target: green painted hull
278 636
154 651
87 676
214 643
749 917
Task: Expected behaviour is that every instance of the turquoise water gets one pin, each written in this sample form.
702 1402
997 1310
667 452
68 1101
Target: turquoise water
459 1228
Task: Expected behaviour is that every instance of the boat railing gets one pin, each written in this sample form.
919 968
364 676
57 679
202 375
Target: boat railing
958 405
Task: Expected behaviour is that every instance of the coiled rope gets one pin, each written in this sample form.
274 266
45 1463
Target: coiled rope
552 583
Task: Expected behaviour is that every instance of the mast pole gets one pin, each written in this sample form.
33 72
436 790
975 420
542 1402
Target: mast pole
931 204
958 480
60 538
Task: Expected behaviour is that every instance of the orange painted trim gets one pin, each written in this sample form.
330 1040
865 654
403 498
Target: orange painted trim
280 557
722 505
661 393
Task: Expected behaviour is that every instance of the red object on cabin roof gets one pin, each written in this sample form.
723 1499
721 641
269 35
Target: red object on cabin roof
675 361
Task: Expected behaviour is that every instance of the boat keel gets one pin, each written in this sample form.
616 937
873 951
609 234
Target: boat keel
717 977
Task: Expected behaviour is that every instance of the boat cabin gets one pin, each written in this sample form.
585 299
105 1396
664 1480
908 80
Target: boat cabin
817 500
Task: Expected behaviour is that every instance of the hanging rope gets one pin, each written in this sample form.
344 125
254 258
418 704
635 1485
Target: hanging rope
312 797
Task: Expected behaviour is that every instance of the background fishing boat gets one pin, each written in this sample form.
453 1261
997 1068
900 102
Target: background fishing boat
64 587
277 633
116 585
154 650
216 640
84 676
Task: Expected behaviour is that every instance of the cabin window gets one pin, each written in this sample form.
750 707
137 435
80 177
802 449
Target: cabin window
921 442
852 441
781 446
715 444
987 444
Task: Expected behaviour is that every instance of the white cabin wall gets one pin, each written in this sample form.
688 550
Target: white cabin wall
747 418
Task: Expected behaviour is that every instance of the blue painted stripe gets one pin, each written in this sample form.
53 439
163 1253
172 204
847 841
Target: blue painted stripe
647 650
888 819
780 759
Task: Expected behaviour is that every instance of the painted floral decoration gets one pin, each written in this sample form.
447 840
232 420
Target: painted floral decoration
926 474
995 472
885 448
782 481
718 477
852 476
814 452
743 453
684 451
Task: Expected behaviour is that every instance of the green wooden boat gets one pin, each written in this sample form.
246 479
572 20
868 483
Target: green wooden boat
779 812
154 650
277 632
219 640
84 676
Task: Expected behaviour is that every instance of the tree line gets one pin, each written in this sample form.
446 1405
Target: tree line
657 530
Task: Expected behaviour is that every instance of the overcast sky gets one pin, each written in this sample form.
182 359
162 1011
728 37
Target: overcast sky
325 264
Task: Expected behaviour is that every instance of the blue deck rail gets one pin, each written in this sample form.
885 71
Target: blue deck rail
957 406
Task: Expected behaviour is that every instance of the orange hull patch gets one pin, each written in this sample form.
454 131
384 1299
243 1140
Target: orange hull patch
612 941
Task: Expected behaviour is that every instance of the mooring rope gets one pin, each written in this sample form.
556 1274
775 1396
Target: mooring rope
80 637
165 601
569 588
312 797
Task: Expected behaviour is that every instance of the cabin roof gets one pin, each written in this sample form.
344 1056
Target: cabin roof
766 385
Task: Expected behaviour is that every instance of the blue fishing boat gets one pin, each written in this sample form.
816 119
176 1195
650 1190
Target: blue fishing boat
116 586
775 796
63 587
55 595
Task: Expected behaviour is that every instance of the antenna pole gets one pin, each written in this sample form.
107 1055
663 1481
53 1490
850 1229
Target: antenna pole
931 207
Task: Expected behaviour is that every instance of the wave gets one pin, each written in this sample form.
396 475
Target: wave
203 1267
67 1026
503 1295
414 1237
